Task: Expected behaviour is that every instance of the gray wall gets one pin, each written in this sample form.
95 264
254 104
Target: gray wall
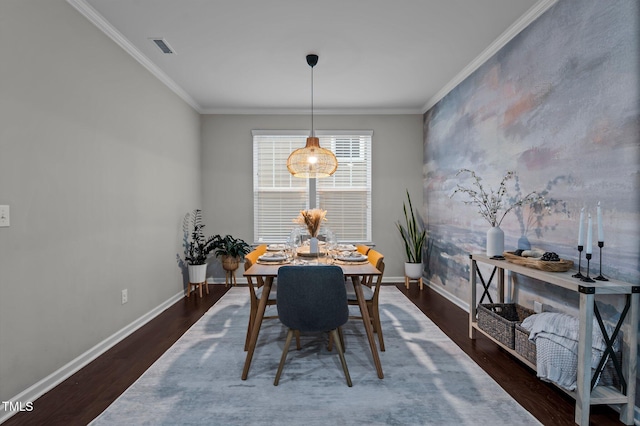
99 161
227 162
559 105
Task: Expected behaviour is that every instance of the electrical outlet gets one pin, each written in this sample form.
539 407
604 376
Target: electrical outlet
537 306
125 296
4 216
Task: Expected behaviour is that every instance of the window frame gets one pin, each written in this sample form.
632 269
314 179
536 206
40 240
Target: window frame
313 188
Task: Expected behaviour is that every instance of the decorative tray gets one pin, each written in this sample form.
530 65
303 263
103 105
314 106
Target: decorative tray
304 251
562 265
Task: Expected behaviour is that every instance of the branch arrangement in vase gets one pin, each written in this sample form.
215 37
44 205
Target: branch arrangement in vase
493 205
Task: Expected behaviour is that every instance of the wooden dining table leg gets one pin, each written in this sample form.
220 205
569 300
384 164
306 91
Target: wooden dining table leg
367 324
256 325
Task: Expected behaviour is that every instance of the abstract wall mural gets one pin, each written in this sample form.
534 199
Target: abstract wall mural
560 106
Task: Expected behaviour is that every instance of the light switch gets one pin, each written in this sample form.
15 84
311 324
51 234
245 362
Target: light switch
4 216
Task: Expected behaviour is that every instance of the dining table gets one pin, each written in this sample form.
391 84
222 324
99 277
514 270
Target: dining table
268 271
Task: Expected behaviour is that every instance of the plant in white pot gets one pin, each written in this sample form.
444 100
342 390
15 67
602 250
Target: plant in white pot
414 238
197 246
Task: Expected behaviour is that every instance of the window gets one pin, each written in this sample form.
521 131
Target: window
279 197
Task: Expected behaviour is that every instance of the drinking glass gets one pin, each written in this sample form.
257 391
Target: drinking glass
293 242
332 243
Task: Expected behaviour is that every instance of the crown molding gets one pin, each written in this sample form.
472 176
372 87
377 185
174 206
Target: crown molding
98 20
525 20
291 111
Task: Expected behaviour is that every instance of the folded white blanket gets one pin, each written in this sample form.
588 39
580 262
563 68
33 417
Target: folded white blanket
556 338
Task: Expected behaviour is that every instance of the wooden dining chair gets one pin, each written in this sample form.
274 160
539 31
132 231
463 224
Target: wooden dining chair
363 248
255 293
312 299
371 289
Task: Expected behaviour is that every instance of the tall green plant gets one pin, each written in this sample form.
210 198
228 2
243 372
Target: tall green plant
197 247
412 236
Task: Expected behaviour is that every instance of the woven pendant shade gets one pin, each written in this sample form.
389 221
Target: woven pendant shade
312 161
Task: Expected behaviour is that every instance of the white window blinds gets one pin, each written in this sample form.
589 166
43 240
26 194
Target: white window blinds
279 197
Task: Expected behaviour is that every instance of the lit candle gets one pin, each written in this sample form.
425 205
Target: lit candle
589 236
580 239
600 230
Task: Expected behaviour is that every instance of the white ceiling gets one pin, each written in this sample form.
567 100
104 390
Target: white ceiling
248 56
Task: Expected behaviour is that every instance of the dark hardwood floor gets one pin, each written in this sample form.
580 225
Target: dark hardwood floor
84 395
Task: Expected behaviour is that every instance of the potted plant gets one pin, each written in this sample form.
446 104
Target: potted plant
197 247
231 250
414 239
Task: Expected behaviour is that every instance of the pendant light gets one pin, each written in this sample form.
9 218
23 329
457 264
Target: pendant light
312 161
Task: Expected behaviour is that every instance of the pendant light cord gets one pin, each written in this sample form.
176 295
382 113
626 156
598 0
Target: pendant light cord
312 132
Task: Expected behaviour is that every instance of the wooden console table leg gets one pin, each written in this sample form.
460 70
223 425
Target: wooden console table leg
583 388
473 304
629 365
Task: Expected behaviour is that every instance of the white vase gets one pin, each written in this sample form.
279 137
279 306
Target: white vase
413 270
313 245
495 241
523 243
197 273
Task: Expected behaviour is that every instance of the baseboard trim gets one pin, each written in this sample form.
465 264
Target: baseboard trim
243 280
450 297
54 379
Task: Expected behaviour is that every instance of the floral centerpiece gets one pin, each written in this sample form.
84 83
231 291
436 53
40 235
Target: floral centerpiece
493 205
312 219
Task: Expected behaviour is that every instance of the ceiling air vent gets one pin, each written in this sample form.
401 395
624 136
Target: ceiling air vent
163 45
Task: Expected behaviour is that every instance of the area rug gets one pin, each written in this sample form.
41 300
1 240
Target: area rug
428 380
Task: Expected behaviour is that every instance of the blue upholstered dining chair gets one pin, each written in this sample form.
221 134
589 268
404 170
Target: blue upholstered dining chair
255 293
312 299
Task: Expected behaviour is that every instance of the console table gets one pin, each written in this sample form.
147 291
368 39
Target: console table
585 394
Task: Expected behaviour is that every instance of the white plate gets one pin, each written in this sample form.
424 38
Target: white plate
272 257
345 247
276 247
353 257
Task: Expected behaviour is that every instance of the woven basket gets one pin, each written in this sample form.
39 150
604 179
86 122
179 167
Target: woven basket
523 345
562 265
498 320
